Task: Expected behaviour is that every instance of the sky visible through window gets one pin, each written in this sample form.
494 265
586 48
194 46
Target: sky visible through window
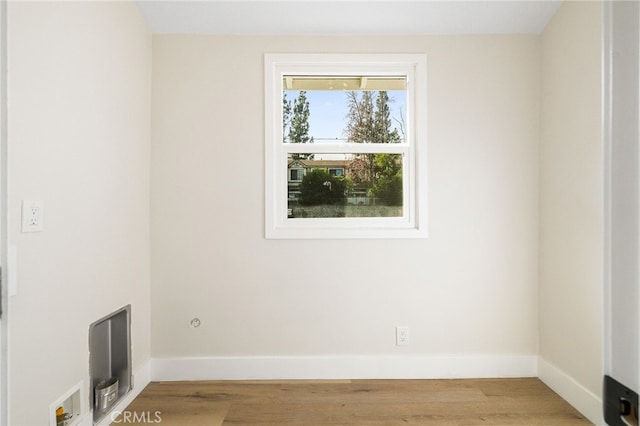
328 112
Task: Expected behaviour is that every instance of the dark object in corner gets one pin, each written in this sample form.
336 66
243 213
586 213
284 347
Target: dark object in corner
620 404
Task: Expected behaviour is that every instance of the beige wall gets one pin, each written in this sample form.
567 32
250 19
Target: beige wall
80 89
469 289
80 125
571 195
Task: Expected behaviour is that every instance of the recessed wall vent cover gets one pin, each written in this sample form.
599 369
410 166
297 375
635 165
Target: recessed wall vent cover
109 361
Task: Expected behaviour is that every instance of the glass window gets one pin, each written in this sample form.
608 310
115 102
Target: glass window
345 126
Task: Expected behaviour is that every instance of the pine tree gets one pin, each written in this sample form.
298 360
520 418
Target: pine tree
382 118
286 116
299 129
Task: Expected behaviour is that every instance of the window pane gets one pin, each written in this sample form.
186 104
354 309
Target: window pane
354 109
357 114
345 185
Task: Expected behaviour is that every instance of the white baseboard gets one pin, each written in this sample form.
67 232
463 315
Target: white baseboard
141 378
369 367
585 401
343 367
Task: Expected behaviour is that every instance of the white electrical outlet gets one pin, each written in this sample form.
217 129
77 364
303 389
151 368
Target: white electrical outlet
402 336
32 215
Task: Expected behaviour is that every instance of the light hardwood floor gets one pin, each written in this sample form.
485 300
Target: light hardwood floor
352 402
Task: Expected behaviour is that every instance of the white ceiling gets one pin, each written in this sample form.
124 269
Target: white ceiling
347 16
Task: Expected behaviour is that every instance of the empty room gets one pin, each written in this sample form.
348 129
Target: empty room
319 212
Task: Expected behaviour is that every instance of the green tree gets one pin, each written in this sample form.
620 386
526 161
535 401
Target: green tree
286 115
318 187
382 121
387 182
361 129
299 128
368 121
382 118
360 117
387 186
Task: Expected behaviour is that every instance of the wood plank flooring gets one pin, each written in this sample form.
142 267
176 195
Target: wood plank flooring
352 402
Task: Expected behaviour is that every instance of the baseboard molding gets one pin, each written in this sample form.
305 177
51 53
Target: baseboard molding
345 367
367 367
585 401
141 378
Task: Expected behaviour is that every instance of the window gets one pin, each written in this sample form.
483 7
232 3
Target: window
345 140
296 174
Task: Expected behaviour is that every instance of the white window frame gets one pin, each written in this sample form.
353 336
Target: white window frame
413 223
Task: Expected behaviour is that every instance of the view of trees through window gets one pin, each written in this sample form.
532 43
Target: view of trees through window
339 184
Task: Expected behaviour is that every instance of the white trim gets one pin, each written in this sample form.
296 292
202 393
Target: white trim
381 367
585 401
607 139
4 219
343 367
366 367
413 223
141 378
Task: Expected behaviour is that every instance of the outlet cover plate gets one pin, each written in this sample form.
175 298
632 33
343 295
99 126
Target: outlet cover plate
402 336
32 215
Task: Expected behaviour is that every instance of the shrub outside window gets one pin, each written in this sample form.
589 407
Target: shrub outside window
345 144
